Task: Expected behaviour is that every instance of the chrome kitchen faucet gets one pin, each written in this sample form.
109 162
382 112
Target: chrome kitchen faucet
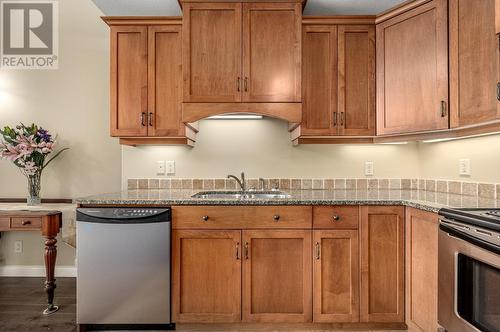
241 182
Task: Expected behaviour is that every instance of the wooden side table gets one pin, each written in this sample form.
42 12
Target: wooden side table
49 223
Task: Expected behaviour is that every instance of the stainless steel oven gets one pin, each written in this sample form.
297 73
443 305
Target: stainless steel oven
469 272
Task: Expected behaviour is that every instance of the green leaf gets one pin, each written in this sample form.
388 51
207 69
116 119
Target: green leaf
54 157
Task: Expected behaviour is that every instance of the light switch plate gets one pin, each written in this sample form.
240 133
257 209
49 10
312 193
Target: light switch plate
170 167
464 167
160 167
368 168
18 246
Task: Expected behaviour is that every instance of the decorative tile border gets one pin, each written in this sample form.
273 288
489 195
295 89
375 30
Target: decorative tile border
474 189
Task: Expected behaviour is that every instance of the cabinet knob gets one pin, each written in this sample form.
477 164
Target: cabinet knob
26 222
276 217
336 217
205 218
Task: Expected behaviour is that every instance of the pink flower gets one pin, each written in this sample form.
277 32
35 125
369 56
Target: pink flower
9 152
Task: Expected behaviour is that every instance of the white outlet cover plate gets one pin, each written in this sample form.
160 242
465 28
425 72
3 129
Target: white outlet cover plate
368 168
170 167
464 167
160 167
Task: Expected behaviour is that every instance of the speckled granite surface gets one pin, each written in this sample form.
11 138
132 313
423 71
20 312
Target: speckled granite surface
424 200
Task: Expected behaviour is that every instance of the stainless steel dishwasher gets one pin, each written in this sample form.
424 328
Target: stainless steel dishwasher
123 267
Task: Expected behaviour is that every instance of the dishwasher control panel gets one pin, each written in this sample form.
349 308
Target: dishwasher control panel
126 214
120 213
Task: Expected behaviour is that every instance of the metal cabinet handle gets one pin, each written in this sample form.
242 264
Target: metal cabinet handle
276 217
498 91
443 109
151 119
205 218
26 222
246 84
335 119
342 118
246 250
237 250
335 217
318 251
143 119
238 84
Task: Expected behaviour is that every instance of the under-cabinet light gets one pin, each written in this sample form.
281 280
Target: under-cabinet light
235 117
437 140
394 143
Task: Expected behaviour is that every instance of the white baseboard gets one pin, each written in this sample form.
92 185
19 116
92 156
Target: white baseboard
35 271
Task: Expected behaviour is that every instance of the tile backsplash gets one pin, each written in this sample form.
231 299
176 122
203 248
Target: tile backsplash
485 190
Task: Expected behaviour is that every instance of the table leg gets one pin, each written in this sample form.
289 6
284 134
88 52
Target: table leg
50 281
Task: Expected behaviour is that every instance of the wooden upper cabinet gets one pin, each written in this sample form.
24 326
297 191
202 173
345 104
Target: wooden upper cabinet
272 52
129 80
206 276
165 81
277 283
473 62
319 80
497 16
382 264
336 276
212 52
412 70
422 230
356 80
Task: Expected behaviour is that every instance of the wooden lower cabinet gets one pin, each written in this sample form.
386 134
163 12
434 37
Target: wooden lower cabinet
277 269
422 230
336 276
382 264
206 276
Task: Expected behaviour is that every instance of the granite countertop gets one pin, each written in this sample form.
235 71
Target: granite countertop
420 199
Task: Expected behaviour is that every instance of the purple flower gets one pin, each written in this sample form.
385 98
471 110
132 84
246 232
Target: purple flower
44 135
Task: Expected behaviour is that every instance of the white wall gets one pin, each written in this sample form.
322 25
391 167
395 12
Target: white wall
73 102
262 148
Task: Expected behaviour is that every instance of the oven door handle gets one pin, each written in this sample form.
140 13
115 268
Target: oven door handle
466 237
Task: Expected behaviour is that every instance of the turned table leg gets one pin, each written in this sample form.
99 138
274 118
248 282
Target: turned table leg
50 281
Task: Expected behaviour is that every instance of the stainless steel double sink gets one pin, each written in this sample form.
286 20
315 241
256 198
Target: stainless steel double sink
273 194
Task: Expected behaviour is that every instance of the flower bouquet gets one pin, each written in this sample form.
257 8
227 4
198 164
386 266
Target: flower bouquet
28 147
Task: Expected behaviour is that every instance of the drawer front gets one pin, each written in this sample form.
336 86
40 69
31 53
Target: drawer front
241 217
4 223
336 217
26 223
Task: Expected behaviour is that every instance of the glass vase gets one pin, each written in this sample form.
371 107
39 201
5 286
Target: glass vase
34 189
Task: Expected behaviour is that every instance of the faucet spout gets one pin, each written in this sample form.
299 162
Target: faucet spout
241 182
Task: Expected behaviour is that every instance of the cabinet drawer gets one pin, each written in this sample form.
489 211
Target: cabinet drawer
336 217
26 223
4 223
241 217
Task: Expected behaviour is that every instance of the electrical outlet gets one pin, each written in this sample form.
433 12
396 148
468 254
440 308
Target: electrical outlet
170 167
160 167
464 167
18 246
369 168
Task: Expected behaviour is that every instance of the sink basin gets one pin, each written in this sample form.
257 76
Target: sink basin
241 195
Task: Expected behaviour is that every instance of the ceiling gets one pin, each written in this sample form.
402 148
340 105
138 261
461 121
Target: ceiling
314 7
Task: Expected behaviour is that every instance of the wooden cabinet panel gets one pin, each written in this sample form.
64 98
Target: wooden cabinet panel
206 276
336 276
238 217
473 62
422 230
382 264
129 80
277 276
497 16
356 79
212 52
26 223
272 52
4 223
336 217
319 80
165 80
412 70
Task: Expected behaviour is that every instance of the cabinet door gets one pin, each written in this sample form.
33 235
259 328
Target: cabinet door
382 264
497 16
336 276
165 80
212 52
206 276
319 108
271 52
422 230
129 81
277 276
473 62
412 70
356 80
